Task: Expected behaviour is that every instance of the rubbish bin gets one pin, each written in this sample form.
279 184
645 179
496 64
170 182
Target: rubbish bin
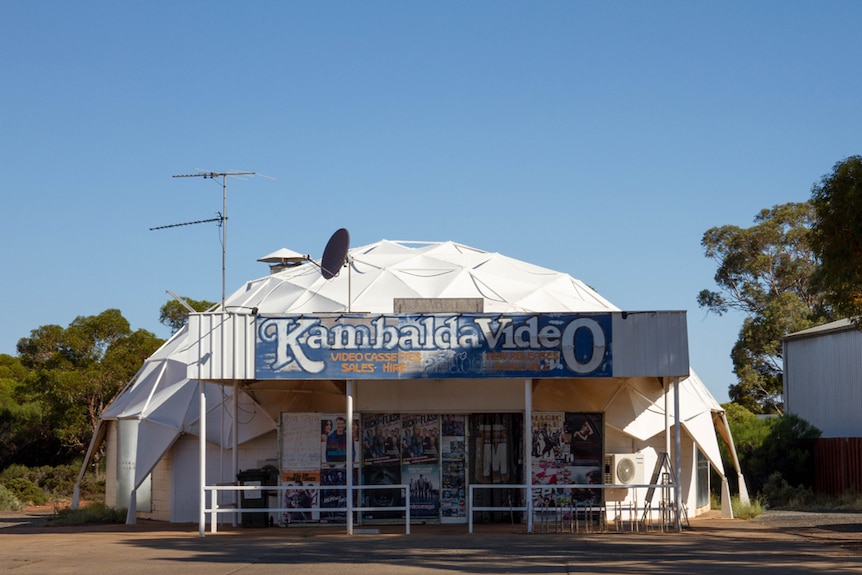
256 499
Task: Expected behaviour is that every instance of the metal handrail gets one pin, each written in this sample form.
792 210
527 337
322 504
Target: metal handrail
530 488
214 509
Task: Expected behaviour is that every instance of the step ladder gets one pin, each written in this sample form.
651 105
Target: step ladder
668 480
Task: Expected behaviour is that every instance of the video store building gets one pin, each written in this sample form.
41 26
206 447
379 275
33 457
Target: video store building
432 366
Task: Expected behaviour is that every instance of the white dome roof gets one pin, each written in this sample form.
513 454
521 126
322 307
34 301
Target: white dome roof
386 270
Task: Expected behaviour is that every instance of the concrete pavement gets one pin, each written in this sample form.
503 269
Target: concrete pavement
772 544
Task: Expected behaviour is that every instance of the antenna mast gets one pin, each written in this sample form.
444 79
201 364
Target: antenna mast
223 176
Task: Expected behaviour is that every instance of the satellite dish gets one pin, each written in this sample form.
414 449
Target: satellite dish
335 254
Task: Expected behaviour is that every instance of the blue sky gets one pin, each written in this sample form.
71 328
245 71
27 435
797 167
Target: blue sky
601 139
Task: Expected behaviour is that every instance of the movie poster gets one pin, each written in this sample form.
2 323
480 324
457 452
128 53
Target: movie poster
420 438
452 440
567 449
381 439
547 434
424 483
382 475
303 499
582 438
453 497
334 498
492 455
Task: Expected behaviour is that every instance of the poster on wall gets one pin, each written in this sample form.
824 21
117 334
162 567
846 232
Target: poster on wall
333 437
453 500
492 463
582 435
381 439
547 433
334 498
452 440
567 449
393 449
379 474
424 482
420 470
301 441
333 440
421 438
304 499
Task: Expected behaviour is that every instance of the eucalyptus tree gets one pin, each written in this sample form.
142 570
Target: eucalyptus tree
836 237
764 271
174 314
75 371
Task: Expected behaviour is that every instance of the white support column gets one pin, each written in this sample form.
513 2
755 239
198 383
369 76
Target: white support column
665 383
528 449
202 459
731 448
726 507
348 460
677 457
131 512
234 463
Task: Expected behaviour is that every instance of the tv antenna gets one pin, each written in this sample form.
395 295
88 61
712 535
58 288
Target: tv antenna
222 219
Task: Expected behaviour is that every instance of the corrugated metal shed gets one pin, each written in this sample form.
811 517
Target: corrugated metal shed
823 378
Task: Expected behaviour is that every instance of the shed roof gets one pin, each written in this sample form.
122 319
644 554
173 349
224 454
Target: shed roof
835 326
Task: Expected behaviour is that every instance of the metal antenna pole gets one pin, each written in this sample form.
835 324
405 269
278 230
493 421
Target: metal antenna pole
223 176
223 238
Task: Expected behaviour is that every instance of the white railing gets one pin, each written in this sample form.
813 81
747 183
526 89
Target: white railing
590 512
215 509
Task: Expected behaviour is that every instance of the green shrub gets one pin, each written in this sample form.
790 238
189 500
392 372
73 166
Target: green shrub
767 445
779 493
26 491
8 501
95 513
714 501
745 511
92 488
15 471
849 501
56 483
58 480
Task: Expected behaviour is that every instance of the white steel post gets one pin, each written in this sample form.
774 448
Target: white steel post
235 445
349 457
202 459
528 449
677 456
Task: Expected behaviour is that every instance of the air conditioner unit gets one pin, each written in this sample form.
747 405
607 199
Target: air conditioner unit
624 469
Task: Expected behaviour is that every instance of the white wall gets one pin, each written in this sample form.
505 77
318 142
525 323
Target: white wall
111 446
184 471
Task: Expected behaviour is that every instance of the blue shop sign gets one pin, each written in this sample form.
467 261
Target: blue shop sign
433 346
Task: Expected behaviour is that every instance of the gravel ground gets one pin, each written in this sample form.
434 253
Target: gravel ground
810 519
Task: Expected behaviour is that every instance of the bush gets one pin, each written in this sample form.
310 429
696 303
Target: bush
779 493
55 483
95 513
8 501
26 491
15 471
765 446
745 511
